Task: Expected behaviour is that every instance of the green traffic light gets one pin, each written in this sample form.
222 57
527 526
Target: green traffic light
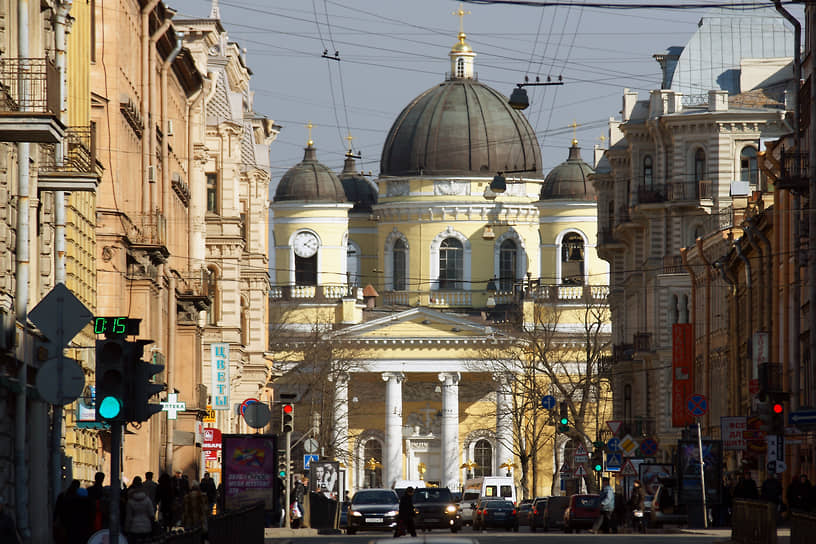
564 421
282 473
110 407
598 468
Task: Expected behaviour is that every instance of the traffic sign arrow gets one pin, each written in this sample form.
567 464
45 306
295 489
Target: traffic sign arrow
802 417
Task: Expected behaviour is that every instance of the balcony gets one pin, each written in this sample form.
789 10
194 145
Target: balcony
191 292
29 101
642 342
673 264
571 294
314 293
793 174
651 194
149 234
76 169
719 221
705 189
623 352
682 192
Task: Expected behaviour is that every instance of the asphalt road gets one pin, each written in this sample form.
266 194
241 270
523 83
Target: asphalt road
522 537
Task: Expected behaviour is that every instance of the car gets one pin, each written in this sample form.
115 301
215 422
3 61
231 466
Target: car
535 518
436 509
468 504
582 512
666 509
523 511
373 509
553 517
495 512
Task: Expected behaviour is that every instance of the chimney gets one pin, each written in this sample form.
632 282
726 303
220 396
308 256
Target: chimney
717 100
629 101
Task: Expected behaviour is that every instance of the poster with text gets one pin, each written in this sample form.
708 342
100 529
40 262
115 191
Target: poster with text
689 470
325 478
249 470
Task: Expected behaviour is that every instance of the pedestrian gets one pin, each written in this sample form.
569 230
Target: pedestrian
799 493
296 508
405 516
166 498
746 487
195 508
772 491
8 529
607 508
636 506
62 515
100 500
138 513
151 489
208 488
81 517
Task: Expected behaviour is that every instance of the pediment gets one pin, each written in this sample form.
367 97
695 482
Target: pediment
422 324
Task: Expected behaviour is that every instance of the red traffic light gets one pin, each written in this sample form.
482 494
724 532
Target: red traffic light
288 408
778 408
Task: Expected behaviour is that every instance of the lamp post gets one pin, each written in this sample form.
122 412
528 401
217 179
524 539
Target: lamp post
518 98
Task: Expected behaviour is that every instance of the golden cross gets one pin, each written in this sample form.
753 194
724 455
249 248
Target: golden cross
603 139
309 125
349 138
574 126
461 13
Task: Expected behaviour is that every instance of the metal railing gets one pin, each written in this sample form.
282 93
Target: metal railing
570 293
642 341
803 527
681 191
244 525
753 522
623 352
150 230
651 194
673 264
29 85
315 292
78 153
705 189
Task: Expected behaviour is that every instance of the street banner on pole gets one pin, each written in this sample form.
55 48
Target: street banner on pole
682 378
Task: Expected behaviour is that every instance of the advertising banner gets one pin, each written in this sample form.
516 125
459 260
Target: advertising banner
219 363
249 470
732 431
689 468
682 377
324 478
653 474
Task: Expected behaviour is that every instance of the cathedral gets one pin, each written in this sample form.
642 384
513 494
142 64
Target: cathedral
391 299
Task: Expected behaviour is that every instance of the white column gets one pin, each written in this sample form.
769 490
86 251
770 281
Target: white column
392 457
340 443
450 429
504 423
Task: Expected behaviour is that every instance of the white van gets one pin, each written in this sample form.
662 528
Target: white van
401 485
485 486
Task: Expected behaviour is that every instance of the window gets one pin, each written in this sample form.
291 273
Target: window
460 68
508 259
212 292
572 259
450 263
244 322
399 256
212 192
648 177
353 264
748 165
483 457
373 450
244 231
306 270
699 165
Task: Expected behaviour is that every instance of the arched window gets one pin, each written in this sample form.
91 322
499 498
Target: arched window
508 265
648 172
451 263
572 259
306 270
212 293
399 255
483 457
373 469
353 265
699 165
748 165
460 68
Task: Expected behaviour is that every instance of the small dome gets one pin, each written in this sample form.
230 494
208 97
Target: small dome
460 127
462 46
570 179
310 180
358 188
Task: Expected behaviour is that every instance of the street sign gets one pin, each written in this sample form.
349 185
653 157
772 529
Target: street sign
60 314
628 445
648 447
257 415
580 471
548 402
697 405
614 426
781 467
566 470
613 445
598 444
243 405
802 417
307 460
310 445
173 406
580 456
73 381
628 469
614 461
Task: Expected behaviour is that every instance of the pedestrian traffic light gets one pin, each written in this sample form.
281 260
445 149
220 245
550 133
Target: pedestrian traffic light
282 464
287 417
597 460
778 413
563 420
142 386
111 380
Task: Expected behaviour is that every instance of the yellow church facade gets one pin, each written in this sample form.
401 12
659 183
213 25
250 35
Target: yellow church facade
405 312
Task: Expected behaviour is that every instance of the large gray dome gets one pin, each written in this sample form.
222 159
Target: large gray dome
310 180
569 179
460 127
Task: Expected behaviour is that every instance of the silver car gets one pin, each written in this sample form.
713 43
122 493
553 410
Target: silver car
467 506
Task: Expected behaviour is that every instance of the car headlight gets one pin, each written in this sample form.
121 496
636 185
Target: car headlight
391 513
356 514
450 509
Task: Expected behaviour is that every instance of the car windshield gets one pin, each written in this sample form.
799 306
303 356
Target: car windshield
374 497
432 494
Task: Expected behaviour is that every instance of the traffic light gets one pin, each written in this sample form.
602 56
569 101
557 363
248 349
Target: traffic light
597 460
287 417
142 386
777 413
563 420
282 464
111 380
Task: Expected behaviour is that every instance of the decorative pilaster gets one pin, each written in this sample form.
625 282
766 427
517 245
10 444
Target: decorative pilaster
392 469
504 421
340 443
450 429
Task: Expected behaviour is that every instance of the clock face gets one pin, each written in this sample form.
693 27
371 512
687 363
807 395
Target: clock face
305 244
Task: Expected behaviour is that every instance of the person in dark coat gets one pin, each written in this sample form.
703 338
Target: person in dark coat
636 504
80 515
100 500
799 494
772 490
8 528
405 518
207 487
746 487
166 497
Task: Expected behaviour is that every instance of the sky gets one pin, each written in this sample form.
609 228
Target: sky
391 51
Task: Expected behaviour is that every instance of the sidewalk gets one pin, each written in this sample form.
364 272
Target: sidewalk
782 533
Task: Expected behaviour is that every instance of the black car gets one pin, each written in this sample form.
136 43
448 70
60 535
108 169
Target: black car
495 512
436 509
535 518
524 509
373 509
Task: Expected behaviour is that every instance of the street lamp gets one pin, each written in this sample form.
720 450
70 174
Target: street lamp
518 98
469 466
